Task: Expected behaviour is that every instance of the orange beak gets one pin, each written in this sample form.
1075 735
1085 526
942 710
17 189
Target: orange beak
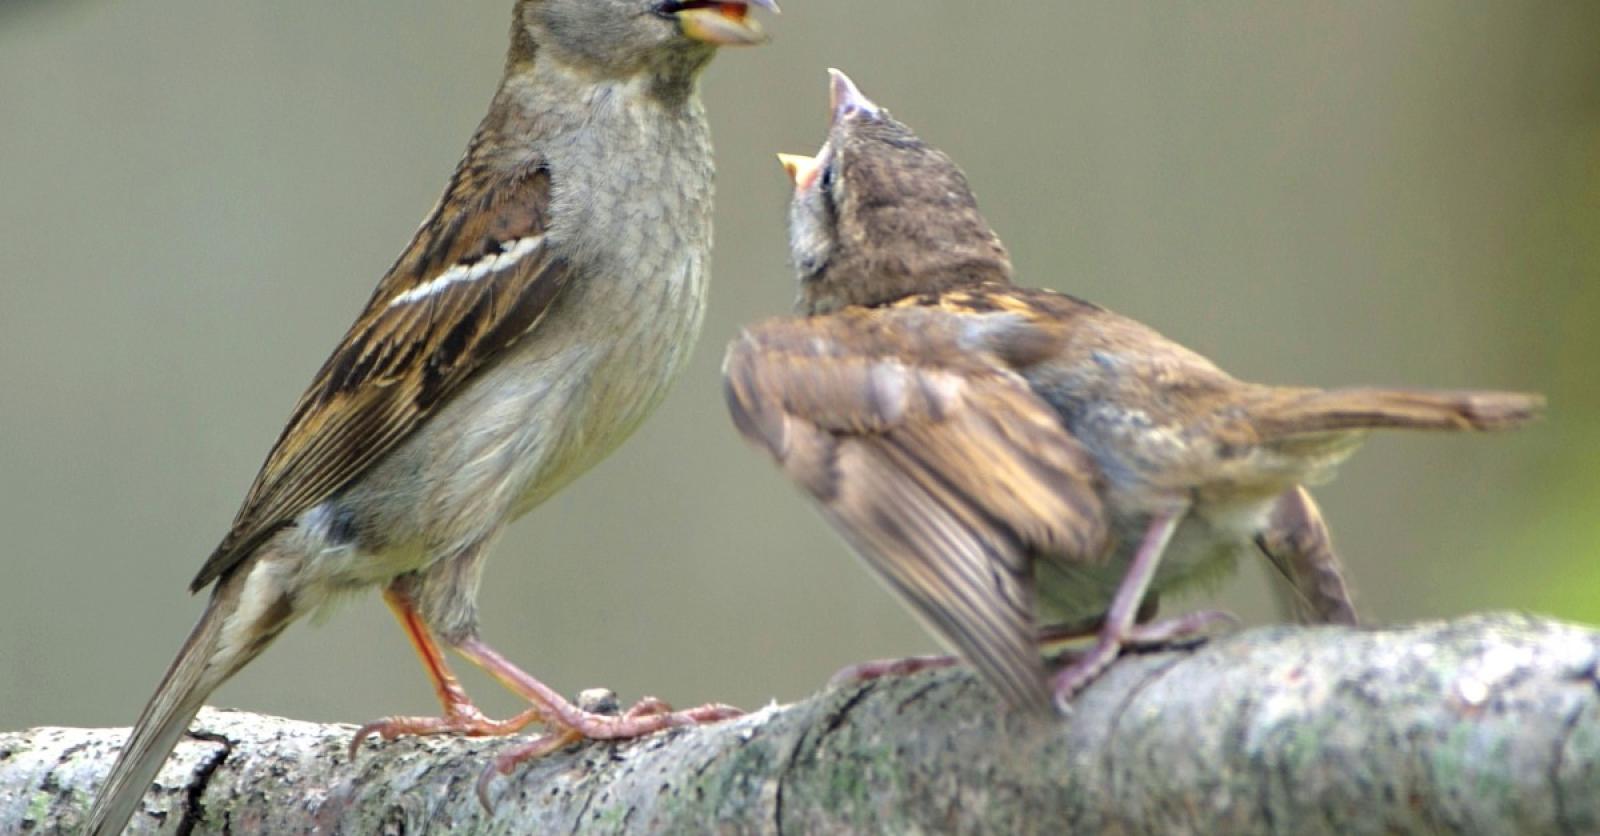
725 23
802 170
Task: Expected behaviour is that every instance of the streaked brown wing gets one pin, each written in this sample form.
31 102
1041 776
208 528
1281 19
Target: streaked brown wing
475 278
933 459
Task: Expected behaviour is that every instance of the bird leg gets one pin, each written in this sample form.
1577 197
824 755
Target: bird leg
1179 628
906 665
460 715
1121 628
899 666
558 714
566 723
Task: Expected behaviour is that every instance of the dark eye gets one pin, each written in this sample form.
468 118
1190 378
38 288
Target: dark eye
830 204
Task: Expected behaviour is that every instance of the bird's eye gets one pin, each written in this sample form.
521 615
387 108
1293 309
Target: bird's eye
830 202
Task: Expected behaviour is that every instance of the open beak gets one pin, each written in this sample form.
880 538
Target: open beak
802 169
724 23
845 98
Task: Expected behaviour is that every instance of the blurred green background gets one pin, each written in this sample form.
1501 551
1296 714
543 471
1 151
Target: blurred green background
197 196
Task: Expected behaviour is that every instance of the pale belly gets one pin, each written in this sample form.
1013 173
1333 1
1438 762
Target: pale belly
1203 551
572 398
561 401
571 390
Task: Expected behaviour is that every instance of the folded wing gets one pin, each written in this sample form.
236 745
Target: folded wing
933 459
465 290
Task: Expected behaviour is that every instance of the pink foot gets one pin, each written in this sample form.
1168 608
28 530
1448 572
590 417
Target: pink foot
879 668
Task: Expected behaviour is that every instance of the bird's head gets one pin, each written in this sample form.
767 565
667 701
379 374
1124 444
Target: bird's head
878 214
617 38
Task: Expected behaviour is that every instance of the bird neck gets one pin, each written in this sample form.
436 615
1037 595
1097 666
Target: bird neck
867 283
542 99
615 151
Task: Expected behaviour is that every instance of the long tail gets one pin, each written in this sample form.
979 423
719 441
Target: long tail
1291 413
189 680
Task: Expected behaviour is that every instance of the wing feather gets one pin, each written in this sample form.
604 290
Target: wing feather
467 288
933 459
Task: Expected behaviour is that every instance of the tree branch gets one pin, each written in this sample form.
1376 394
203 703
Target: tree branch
1490 724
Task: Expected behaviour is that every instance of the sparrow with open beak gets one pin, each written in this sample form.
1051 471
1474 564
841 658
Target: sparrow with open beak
1006 457
537 317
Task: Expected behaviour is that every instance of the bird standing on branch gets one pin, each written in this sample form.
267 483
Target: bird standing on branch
1004 456
537 317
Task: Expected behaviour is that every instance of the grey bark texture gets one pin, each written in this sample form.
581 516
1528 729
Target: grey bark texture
1486 725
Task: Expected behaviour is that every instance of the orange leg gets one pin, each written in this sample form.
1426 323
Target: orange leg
460 715
565 723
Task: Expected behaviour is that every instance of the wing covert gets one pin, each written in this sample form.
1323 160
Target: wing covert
475 278
933 459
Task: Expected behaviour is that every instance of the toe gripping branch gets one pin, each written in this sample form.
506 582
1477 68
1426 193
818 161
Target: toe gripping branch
564 722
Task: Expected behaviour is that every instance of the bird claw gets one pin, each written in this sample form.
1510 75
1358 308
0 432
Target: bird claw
647 716
505 762
466 721
879 668
648 707
1087 667
1189 626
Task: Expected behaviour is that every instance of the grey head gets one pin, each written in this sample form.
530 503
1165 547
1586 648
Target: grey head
671 39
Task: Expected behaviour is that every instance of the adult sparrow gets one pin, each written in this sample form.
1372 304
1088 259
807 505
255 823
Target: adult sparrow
1004 456
536 318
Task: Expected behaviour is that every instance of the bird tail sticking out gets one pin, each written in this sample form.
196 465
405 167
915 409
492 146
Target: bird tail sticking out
177 699
1343 410
226 637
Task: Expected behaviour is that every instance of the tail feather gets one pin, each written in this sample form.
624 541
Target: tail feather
189 680
1341 410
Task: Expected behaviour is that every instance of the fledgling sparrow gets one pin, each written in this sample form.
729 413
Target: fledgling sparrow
536 318
1004 456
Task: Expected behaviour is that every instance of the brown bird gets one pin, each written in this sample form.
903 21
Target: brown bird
538 315
1005 456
